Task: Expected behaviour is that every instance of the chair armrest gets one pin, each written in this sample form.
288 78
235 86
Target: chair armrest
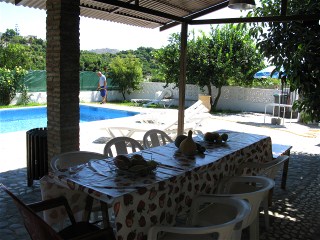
261 166
153 231
53 203
202 201
245 180
105 233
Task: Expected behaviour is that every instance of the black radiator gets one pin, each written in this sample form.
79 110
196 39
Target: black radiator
37 154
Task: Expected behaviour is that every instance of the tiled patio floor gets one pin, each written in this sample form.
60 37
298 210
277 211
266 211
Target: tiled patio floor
295 211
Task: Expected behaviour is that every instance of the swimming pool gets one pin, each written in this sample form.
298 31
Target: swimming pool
12 120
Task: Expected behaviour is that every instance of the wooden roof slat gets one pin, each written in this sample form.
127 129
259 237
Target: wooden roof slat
159 13
147 13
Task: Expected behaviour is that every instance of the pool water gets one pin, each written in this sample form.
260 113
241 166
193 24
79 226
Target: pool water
12 120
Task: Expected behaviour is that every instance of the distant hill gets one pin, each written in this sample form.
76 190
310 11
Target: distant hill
104 50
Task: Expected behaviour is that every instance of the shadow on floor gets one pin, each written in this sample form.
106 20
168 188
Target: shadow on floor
295 213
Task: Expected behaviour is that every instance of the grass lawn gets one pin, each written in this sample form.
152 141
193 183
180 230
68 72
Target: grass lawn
22 105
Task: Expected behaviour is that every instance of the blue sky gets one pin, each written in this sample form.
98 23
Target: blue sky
95 34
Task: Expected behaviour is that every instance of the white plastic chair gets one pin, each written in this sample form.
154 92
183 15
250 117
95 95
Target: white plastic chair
121 145
155 137
269 169
66 160
224 228
251 188
71 159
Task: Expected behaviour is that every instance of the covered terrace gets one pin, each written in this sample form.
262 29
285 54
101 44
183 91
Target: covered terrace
63 48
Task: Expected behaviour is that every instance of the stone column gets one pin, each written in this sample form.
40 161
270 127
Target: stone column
63 54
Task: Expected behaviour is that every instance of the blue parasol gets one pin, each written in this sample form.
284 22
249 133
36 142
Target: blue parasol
266 73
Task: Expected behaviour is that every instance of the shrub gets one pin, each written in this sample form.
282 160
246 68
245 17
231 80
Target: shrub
10 83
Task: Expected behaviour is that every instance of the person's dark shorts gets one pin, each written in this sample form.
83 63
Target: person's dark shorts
103 92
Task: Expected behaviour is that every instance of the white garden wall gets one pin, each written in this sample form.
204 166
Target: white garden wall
232 98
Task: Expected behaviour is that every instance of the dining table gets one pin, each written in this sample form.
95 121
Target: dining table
138 201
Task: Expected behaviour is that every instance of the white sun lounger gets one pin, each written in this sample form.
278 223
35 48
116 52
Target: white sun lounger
162 97
193 118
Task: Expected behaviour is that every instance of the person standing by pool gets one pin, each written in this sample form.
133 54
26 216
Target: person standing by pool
102 86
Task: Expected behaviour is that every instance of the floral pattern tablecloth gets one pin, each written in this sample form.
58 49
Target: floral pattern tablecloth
138 202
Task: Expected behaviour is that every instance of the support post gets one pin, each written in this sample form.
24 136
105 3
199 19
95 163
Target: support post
63 87
182 79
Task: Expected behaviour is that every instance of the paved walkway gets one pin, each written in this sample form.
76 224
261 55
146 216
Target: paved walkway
295 211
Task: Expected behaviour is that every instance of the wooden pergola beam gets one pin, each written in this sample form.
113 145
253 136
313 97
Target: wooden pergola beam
143 10
257 19
17 2
197 14
114 11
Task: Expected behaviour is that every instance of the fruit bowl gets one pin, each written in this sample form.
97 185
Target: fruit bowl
135 164
215 137
138 171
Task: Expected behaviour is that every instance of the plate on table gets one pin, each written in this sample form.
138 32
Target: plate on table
216 138
138 170
134 165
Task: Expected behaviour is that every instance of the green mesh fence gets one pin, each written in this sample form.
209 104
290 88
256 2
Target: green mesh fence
36 81
89 81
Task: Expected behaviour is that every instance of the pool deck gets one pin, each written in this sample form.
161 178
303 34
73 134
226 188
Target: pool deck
295 213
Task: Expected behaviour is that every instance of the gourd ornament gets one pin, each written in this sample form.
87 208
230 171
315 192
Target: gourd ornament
188 146
179 139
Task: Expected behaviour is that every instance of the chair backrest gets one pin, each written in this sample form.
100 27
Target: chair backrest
197 108
155 137
70 159
193 116
268 169
37 228
121 145
251 188
225 229
165 93
274 167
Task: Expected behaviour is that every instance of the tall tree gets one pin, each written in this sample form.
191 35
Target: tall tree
9 35
90 61
295 46
227 56
231 59
14 54
145 54
126 73
168 59
27 52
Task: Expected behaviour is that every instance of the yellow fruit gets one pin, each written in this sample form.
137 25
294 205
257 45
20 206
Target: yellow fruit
211 136
215 135
152 164
122 162
224 136
137 159
219 139
208 136
138 168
